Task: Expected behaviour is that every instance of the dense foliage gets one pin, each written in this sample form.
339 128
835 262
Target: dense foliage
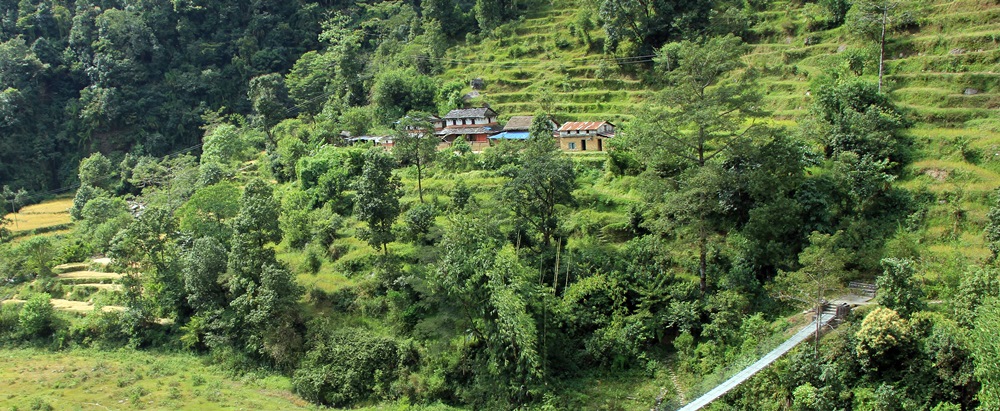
515 277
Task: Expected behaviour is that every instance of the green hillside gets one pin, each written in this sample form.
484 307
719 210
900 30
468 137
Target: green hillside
954 47
944 69
551 60
254 245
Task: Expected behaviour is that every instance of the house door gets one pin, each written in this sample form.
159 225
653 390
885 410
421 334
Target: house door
600 145
583 145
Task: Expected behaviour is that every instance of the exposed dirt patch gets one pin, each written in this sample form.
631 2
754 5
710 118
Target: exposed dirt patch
90 275
937 173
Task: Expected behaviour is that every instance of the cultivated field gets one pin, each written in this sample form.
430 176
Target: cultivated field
40 216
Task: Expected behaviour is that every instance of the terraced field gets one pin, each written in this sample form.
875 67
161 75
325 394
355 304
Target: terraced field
85 289
549 62
945 70
46 217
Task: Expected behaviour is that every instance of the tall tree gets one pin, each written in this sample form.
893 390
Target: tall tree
487 286
147 252
545 181
16 200
704 112
262 315
651 23
378 198
269 100
853 116
97 171
873 19
822 268
416 144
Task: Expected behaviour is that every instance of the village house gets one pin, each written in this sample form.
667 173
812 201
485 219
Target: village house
518 126
584 135
436 122
476 125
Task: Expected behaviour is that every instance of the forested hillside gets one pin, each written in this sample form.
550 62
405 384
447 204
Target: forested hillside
767 155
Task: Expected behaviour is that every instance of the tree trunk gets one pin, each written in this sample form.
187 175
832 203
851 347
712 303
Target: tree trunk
420 187
881 54
703 260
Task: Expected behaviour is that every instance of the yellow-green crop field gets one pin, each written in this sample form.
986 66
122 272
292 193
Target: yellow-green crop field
46 214
131 380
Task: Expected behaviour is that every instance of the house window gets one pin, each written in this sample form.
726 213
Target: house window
572 146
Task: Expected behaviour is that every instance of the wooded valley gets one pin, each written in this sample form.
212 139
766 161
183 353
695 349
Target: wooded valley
279 204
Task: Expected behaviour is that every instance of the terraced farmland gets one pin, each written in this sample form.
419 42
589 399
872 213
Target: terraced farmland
47 217
944 70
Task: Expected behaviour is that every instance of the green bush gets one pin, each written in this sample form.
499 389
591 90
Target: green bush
9 316
36 317
419 220
346 367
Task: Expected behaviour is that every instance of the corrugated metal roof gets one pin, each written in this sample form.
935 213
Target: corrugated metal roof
480 112
511 135
583 125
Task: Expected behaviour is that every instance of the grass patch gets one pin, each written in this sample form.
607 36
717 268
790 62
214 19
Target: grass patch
93 379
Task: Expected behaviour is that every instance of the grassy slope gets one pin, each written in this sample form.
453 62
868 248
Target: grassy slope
929 69
93 379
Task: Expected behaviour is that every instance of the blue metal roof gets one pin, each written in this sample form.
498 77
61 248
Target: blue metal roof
511 135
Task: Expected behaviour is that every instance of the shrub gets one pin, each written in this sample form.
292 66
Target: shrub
500 155
35 318
314 261
9 317
419 221
460 195
346 367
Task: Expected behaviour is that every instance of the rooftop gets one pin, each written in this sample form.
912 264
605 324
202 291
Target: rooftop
449 131
583 125
471 113
518 123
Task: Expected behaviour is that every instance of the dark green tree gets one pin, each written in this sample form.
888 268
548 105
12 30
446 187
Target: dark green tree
262 316
709 107
147 253
397 92
492 13
853 116
491 293
650 24
203 268
377 201
545 181
269 100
